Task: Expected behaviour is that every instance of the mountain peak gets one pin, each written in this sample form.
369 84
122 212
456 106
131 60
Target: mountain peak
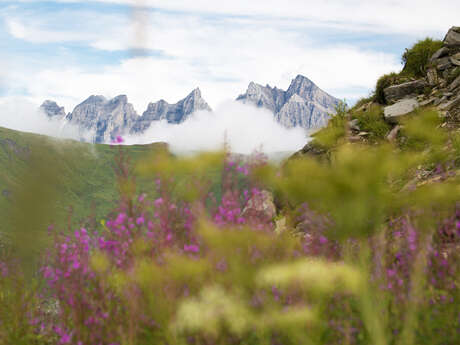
172 113
120 99
304 104
196 93
52 109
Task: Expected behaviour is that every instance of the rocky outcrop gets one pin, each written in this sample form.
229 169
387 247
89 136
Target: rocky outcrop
397 92
400 108
303 105
261 206
107 118
52 110
439 88
452 38
172 113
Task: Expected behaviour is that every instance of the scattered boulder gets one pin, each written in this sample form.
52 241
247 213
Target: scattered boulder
353 124
260 204
454 61
443 63
281 225
401 108
310 149
455 84
432 76
410 88
440 53
452 38
393 133
455 103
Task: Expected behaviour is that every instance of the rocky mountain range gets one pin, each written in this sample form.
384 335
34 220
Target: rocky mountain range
303 105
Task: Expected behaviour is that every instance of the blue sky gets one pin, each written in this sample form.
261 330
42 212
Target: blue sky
151 49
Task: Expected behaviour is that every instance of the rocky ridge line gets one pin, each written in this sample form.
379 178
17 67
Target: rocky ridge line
303 105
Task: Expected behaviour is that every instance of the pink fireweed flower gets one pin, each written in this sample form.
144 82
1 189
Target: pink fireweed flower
158 202
119 139
140 220
323 240
121 218
193 248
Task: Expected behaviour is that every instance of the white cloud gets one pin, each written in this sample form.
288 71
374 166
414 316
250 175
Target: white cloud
23 115
245 128
407 17
221 57
267 42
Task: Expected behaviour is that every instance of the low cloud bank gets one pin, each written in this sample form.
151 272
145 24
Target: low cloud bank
243 127
22 115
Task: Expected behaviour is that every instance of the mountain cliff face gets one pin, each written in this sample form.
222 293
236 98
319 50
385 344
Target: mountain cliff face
52 110
108 118
303 105
173 113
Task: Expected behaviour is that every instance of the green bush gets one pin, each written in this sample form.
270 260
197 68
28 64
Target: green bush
329 136
362 101
416 58
372 121
384 82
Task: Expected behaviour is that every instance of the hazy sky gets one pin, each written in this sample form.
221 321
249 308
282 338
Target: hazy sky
67 49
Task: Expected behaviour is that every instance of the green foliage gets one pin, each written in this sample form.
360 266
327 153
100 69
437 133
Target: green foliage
382 83
362 101
335 130
68 178
372 121
417 57
18 300
356 182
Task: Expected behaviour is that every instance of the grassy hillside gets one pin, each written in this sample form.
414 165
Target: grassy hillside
59 178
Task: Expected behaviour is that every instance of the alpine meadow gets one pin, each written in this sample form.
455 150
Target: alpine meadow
342 226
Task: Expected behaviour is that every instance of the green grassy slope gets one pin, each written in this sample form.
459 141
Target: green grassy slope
48 176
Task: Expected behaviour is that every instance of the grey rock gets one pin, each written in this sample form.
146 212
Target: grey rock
401 108
110 118
303 105
260 204
439 53
353 124
438 101
432 76
452 38
264 97
454 61
172 113
455 84
393 133
52 110
107 118
397 92
443 63
427 102
453 104
311 149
